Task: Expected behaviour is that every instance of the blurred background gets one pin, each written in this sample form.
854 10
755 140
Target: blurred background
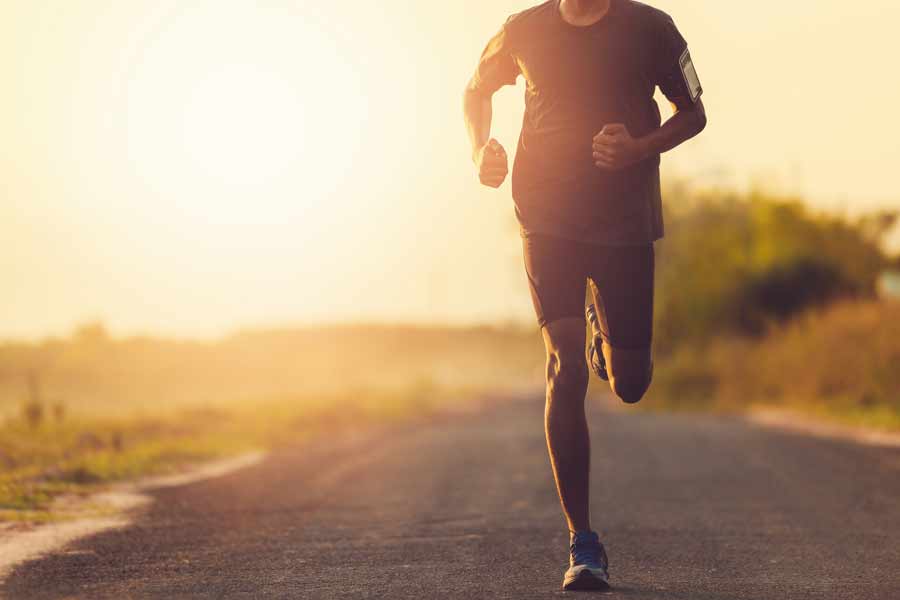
234 224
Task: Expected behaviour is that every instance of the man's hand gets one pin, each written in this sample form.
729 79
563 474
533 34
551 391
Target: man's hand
615 149
492 163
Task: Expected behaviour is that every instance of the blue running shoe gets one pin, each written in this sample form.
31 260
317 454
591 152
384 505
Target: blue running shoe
595 349
588 566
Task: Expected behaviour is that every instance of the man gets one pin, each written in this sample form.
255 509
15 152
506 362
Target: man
587 196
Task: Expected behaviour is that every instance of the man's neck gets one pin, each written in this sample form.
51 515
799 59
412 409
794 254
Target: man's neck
583 12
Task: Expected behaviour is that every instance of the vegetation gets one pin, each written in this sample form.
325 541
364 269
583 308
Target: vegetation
761 301
842 363
74 456
82 412
739 264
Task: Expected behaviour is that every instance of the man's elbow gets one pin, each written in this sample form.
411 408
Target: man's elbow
700 122
699 118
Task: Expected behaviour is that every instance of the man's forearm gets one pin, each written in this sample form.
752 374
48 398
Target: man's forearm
683 125
478 113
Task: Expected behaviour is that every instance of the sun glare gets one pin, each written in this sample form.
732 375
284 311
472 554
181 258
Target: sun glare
243 125
261 118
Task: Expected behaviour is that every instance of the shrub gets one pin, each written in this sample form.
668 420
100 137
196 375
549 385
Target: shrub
734 264
785 290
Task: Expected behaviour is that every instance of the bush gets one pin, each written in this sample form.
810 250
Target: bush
840 363
734 264
785 290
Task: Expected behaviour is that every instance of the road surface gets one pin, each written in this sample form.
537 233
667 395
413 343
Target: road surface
690 508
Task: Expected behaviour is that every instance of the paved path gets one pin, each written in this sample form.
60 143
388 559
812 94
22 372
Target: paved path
691 508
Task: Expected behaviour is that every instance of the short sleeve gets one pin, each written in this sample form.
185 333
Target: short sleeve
674 70
497 67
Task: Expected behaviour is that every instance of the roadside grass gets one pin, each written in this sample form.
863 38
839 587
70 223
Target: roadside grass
80 455
81 412
840 364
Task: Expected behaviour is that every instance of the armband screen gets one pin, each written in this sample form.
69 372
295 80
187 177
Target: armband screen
691 80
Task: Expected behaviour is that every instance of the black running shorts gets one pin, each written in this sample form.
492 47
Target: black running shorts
622 277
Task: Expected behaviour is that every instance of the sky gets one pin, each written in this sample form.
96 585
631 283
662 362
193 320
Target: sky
192 167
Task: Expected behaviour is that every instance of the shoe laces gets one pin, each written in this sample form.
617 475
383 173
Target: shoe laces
592 316
586 549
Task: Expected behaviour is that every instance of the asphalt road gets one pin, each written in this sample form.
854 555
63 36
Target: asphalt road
689 507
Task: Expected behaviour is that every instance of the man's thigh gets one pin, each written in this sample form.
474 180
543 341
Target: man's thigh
622 284
557 275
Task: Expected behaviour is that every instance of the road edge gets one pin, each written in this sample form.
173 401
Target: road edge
787 420
122 501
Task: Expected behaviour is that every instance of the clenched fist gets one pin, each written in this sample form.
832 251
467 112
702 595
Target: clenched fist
492 164
615 149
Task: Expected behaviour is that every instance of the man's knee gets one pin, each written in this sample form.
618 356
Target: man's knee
631 389
567 374
630 372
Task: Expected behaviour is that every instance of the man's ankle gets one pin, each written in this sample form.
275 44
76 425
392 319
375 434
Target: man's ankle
581 532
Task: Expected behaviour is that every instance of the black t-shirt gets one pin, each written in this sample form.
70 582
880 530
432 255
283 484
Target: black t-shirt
579 79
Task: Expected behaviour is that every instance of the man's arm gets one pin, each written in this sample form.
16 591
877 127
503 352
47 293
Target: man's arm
488 155
615 149
478 112
496 68
683 125
674 73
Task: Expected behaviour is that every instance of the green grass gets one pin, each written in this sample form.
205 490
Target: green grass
80 456
112 409
841 364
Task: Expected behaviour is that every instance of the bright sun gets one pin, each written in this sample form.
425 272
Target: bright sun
244 125
260 111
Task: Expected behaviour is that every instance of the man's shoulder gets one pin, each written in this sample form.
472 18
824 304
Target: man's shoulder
536 15
643 12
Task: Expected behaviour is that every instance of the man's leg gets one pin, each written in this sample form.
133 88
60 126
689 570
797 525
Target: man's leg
557 276
622 280
564 420
557 273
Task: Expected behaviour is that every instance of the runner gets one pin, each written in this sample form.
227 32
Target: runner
587 195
